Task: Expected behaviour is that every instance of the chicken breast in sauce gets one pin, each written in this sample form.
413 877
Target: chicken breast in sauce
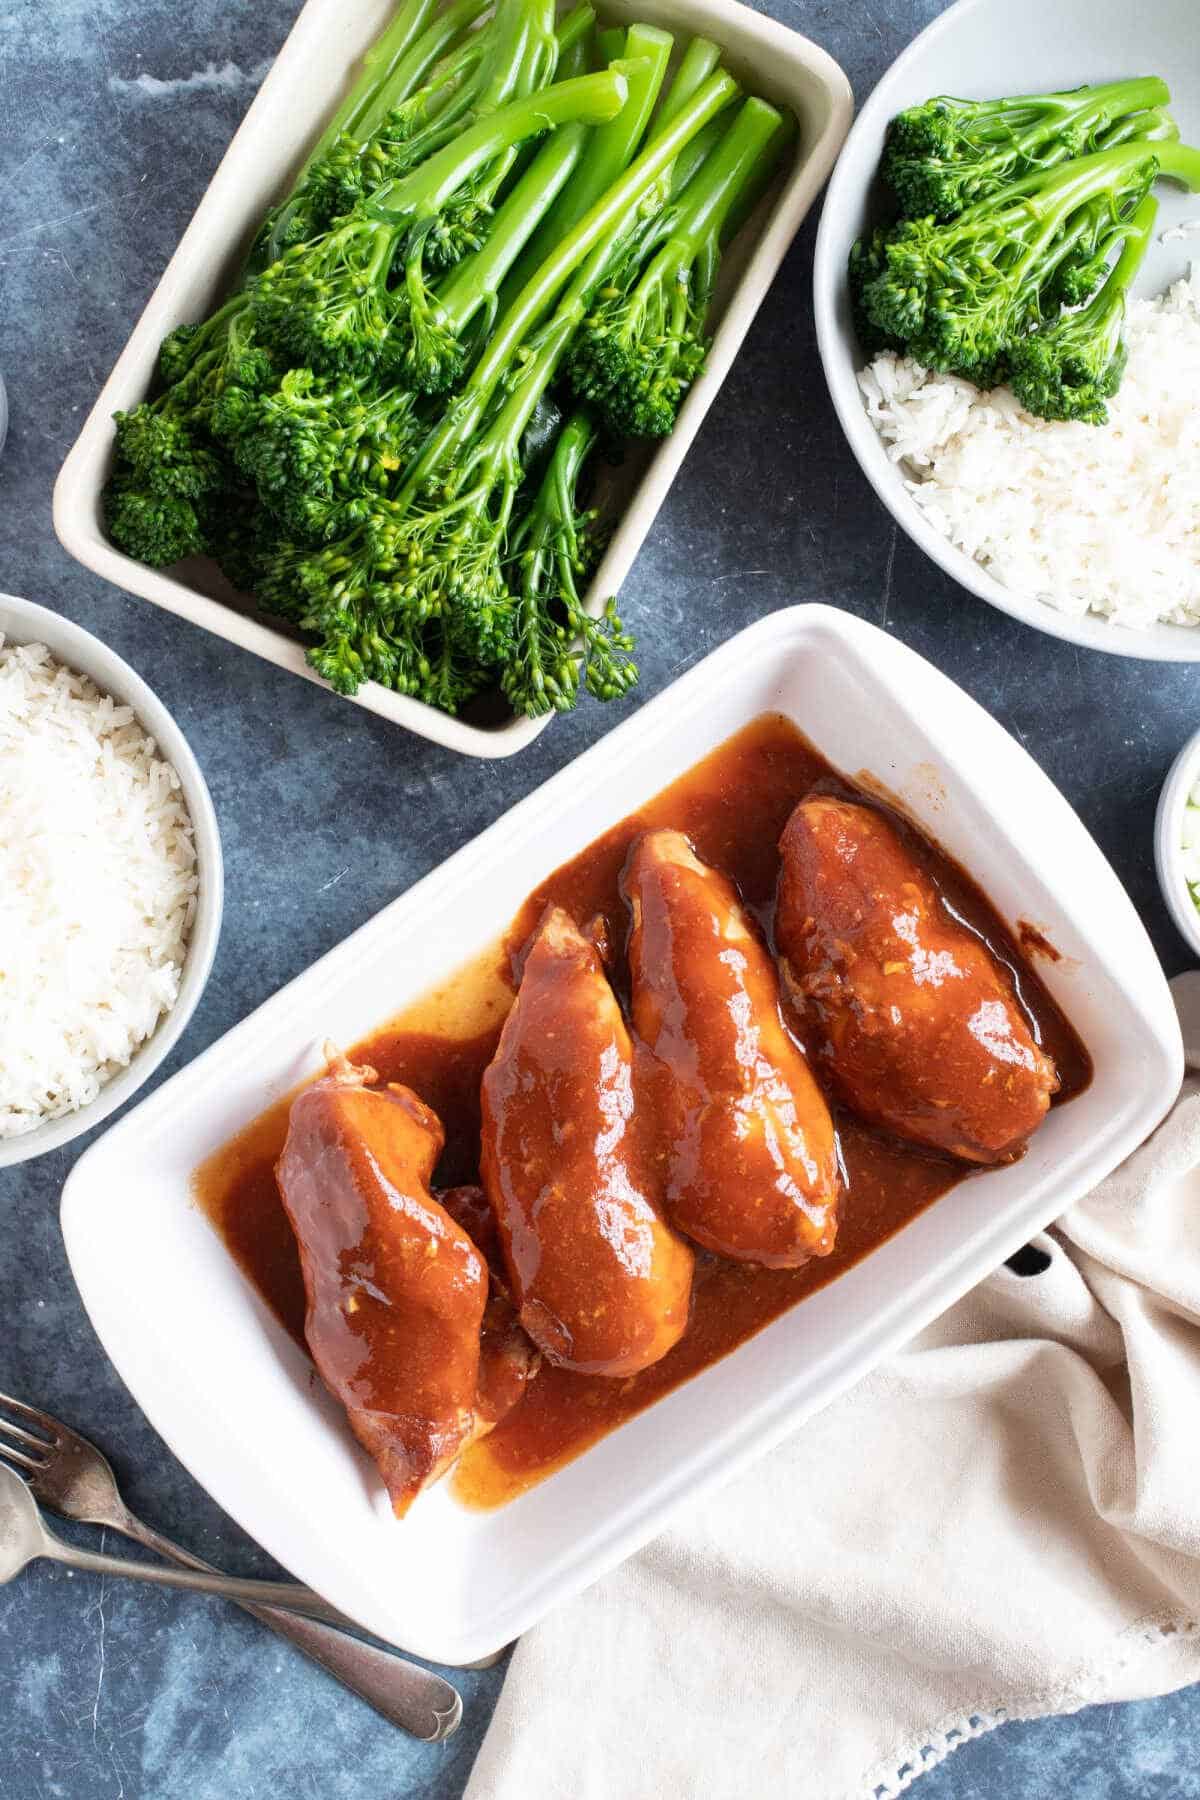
396 1289
508 1360
602 1283
919 1023
747 1145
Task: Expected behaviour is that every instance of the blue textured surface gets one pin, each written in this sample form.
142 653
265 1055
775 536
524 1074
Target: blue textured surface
113 116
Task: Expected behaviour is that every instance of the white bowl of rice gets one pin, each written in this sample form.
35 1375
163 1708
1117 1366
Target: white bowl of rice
1090 533
111 881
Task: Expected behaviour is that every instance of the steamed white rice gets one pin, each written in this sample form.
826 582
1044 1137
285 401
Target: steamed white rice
97 888
1100 518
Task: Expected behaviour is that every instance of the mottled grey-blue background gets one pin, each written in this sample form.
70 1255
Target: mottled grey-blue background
112 118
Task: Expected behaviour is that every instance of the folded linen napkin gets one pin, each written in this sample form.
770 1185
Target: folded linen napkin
1001 1522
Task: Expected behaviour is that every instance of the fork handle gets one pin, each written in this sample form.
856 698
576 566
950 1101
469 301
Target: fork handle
420 1702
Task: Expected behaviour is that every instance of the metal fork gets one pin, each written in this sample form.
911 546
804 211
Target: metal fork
70 1476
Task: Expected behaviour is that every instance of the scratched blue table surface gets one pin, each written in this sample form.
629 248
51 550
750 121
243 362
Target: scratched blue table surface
113 115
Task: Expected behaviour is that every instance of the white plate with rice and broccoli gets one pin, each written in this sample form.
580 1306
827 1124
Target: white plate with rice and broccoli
1008 315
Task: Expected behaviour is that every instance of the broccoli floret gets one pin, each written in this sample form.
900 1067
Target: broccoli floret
168 467
159 445
1071 368
947 154
868 261
165 443
319 440
958 295
644 341
158 528
554 550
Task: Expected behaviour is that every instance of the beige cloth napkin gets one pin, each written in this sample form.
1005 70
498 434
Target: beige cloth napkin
1001 1522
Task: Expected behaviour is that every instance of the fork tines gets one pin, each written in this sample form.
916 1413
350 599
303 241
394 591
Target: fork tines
36 1449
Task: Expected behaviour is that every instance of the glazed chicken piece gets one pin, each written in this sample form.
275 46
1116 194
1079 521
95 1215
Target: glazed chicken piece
508 1360
396 1290
601 1282
749 1150
919 1023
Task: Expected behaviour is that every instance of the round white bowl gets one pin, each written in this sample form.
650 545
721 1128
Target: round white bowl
984 48
22 622
1168 842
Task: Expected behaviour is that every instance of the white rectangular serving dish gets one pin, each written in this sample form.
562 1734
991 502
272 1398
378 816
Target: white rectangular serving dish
294 102
237 1400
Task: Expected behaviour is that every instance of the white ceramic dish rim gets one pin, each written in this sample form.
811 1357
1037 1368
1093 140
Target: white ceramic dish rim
1136 985
23 621
1158 643
1168 842
789 61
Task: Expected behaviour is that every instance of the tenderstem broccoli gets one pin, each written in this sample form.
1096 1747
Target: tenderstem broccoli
553 551
167 466
643 52
946 154
433 332
960 294
1071 368
406 75
414 592
331 303
644 341
375 436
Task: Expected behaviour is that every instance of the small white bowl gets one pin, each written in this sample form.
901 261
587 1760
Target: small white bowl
984 48
21 622
302 89
1168 841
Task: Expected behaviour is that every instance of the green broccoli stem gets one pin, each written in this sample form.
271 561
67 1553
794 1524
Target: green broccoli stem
575 43
645 53
1177 162
1111 298
701 59
752 189
1054 208
698 221
591 99
1069 369
720 183
1153 126
600 227
518 49
474 283
372 100
537 67
555 504
758 180
612 44
694 155
1047 201
608 156
395 65
643 343
1034 117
